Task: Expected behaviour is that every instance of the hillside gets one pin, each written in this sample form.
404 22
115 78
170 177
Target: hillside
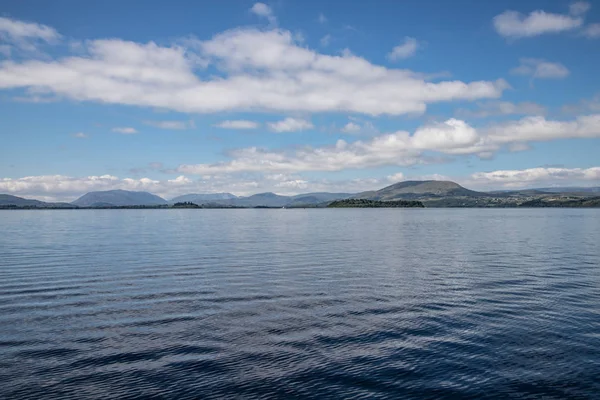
118 198
420 190
7 200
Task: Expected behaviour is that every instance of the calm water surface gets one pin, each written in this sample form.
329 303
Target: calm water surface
300 304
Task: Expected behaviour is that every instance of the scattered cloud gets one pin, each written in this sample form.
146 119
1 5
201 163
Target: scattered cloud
25 37
450 138
264 11
259 70
397 177
407 49
351 127
584 106
237 124
290 125
171 125
541 69
358 127
502 108
579 8
592 31
534 177
325 40
80 135
538 129
125 130
68 188
322 18
513 24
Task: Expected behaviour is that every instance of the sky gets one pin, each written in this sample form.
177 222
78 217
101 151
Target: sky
293 96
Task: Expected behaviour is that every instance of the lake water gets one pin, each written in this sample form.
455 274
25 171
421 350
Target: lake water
339 303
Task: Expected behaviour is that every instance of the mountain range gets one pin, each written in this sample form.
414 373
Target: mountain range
431 193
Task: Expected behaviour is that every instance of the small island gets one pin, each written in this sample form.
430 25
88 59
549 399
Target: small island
364 203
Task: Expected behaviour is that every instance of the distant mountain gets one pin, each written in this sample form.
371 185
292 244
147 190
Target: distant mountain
9 200
118 198
420 190
570 190
318 197
202 198
274 200
261 200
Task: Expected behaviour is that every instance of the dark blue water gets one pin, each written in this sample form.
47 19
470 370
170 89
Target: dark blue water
300 304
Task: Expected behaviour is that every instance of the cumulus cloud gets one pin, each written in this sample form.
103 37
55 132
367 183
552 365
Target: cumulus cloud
290 125
237 124
407 49
68 188
264 11
502 108
351 127
541 69
397 177
452 138
534 176
80 135
257 70
537 129
513 24
322 18
125 130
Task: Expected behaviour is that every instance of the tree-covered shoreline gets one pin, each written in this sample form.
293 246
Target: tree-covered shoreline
363 203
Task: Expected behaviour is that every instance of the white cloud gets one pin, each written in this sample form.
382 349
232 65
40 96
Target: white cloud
535 176
448 135
452 137
500 108
80 135
25 36
512 24
171 125
397 177
592 31
67 188
237 124
17 30
356 126
258 71
322 18
540 129
325 40
579 8
125 130
290 125
541 69
263 10
351 127
407 49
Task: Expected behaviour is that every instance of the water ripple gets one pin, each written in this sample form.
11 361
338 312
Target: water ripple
353 304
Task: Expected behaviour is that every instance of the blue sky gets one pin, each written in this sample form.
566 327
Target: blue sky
296 96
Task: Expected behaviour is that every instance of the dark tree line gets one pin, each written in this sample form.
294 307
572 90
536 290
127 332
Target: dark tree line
363 203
